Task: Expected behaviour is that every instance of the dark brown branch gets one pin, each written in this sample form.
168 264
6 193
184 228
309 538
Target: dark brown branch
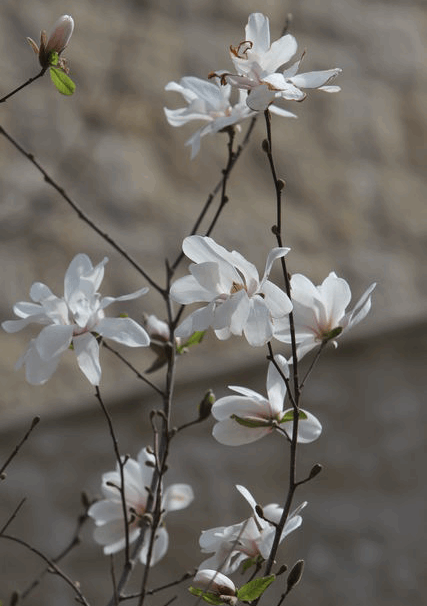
17 448
29 81
13 516
79 211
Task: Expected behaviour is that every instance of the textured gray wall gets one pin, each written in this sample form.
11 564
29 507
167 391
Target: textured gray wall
355 170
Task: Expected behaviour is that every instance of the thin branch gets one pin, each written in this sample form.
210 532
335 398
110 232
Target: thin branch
79 211
121 463
312 365
17 448
218 187
132 368
185 577
29 81
13 516
52 566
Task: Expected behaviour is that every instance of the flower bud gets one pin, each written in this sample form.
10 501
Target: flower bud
214 582
61 34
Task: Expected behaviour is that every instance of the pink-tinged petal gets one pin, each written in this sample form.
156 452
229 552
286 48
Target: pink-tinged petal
87 352
315 79
188 290
231 433
160 547
53 340
260 97
309 429
81 264
106 301
241 406
276 300
177 496
61 34
257 31
39 292
105 511
336 295
123 330
258 329
280 52
37 371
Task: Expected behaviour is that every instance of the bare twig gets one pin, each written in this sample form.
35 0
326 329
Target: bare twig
29 81
52 566
17 448
13 516
79 211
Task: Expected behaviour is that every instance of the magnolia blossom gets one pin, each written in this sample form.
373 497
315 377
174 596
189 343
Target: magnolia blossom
249 416
249 539
216 583
73 321
319 312
237 300
257 62
207 101
57 41
108 513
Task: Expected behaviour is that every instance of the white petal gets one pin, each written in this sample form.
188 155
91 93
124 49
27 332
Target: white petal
309 429
274 109
81 264
276 300
123 330
105 301
37 371
199 320
53 340
257 31
105 511
336 295
276 388
39 292
177 496
87 352
241 406
260 97
258 329
280 52
187 290
231 433
160 546
213 582
315 79
360 310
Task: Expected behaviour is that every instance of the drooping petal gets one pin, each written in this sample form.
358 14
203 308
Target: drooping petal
105 511
276 300
87 351
37 371
241 406
258 329
260 97
231 433
123 330
309 429
106 301
315 79
199 320
160 547
187 290
232 313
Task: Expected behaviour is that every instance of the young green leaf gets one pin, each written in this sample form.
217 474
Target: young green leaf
53 58
210 598
254 589
195 339
289 416
63 83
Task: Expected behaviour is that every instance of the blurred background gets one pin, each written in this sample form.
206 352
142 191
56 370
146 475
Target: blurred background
354 165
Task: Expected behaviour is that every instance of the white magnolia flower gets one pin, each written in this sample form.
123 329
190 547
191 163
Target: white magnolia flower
319 312
207 101
257 62
249 539
71 320
249 416
216 583
237 300
108 513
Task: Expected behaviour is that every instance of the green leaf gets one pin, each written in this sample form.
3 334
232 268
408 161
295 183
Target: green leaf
63 83
252 590
250 422
210 598
289 416
248 563
195 339
53 58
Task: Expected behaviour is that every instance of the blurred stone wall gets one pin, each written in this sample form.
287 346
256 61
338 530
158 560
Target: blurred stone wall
354 165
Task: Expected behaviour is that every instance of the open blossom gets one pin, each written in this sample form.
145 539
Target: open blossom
71 320
257 61
57 41
249 539
108 513
319 312
237 300
207 101
249 416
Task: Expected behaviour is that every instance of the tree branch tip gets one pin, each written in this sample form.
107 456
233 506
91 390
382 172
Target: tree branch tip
265 145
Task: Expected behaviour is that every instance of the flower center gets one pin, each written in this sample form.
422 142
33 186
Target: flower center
236 287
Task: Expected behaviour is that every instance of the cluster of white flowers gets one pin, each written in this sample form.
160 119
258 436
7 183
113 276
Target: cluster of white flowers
247 540
260 85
